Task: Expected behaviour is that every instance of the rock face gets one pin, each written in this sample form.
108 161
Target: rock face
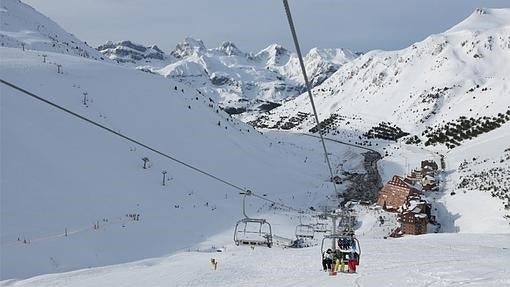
129 52
243 83
365 186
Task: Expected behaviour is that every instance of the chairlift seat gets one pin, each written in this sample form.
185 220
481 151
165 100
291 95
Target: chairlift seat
354 247
304 231
246 234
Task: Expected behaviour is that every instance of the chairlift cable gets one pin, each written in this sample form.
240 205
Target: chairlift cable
308 88
101 126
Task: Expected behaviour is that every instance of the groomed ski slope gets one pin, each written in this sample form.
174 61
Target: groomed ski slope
429 260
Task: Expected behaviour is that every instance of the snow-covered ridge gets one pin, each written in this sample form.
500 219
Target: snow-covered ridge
240 81
446 93
129 52
23 27
483 19
440 80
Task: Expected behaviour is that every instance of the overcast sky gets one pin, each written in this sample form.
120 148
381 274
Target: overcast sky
359 25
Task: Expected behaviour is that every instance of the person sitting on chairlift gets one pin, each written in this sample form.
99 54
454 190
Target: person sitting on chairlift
327 260
343 243
351 263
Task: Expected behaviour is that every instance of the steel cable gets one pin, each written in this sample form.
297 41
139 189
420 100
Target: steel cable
308 88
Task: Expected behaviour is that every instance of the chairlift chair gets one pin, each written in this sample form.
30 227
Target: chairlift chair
347 221
351 244
320 227
252 231
304 231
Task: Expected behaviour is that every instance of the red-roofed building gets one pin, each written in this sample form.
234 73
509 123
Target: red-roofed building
415 216
413 223
394 194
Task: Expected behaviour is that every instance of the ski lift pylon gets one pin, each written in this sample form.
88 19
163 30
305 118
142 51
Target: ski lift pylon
252 231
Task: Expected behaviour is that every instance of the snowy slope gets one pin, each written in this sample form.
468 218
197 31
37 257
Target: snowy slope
238 80
22 26
75 197
452 260
61 176
447 94
459 73
480 179
58 172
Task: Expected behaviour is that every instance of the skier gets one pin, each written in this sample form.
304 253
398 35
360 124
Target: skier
327 260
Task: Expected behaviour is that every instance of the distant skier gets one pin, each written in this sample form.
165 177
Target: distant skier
327 260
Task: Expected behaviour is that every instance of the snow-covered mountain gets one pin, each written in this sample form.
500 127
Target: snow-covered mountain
129 52
74 197
61 175
239 81
457 75
448 91
24 27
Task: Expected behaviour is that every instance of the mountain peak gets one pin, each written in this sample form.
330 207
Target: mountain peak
188 47
24 27
483 19
230 49
274 54
129 52
335 56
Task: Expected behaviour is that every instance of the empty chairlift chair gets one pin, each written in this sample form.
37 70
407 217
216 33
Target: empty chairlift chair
304 230
252 231
320 227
